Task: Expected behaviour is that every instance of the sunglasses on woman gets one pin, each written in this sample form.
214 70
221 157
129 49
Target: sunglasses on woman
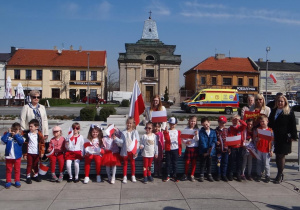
77 128
35 97
148 128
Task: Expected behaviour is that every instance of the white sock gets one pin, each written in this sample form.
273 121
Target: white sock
69 168
76 165
114 169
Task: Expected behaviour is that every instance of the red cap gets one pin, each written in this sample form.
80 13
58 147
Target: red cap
223 119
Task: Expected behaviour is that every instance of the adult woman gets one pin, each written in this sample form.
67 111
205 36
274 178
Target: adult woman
156 105
282 121
34 110
250 103
260 105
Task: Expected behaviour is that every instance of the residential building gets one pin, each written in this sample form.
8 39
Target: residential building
4 58
152 63
224 72
59 73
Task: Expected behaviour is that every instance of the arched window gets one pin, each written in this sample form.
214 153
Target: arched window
149 29
150 58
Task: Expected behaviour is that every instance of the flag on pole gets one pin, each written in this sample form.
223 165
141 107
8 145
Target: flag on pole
273 78
137 106
187 134
233 140
265 134
110 130
159 116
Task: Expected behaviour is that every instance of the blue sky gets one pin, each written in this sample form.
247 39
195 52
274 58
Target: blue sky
199 29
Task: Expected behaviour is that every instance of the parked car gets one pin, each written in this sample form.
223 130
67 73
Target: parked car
292 103
93 100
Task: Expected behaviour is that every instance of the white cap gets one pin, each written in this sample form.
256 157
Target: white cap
172 120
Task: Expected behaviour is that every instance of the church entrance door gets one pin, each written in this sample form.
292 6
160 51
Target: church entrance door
149 93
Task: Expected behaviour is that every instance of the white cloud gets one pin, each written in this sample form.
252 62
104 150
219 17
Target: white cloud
102 10
160 8
70 8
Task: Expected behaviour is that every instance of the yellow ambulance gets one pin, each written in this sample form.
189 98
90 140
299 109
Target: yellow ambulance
212 100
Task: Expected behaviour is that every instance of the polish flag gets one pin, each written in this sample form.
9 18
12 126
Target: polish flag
159 116
251 148
133 146
137 106
110 130
187 134
233 140
265 134
70 134
43 169
273 78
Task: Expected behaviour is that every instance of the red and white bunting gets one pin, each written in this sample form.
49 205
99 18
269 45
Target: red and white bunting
233 140
110 130
264 134
137 105
50 153
159 116
187 134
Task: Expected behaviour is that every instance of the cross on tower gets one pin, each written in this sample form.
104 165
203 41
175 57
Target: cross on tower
150 14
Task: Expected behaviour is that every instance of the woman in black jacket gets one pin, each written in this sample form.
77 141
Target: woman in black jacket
282 121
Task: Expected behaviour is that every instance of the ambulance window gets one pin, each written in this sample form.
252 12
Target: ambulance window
201 97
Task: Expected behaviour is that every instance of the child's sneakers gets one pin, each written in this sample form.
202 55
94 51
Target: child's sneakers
243 177
28 180
150 178
210 178
267 179
184 177
7 185
258 178
124 180
249 177
239 178
37 178
98 178
70 179
174 178
18 184
167 179
145 180
230 177
192 178
54 178
224 178
218 177
133 179
112 181
201 179
86 180
61 177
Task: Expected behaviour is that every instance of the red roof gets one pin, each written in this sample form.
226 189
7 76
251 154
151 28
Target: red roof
52 58
226 64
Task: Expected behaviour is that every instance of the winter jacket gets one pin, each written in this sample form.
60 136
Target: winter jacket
17 140
168 142
41 143
207 142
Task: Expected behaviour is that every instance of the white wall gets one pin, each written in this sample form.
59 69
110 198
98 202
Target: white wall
2 79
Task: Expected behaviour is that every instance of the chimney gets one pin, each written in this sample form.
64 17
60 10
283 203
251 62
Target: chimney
283 61
260 60
13 50
219 56
71 47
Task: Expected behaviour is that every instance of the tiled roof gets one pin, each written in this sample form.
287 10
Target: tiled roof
4 57
279 66
230 64
51 58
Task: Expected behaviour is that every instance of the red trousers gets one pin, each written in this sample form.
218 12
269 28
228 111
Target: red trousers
187 165
147 162
87 164
32 163
10 163
132 162
61 161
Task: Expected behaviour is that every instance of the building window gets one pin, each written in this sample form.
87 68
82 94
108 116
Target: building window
150 58
39 74
214 80
55 74
93 92
72 75
55 93
251 82
93 75
83 75
149 72
17 74
203 80
240 81
28 74
227 81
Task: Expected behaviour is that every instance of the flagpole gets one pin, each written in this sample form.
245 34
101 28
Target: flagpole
267 49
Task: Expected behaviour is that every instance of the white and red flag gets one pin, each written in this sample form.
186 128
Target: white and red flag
159 116
133 146
137 105
251 148
265 134
43 169
70 134
187 134
110 130
273 78
233 140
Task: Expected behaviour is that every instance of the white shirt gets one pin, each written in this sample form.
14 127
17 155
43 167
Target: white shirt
207 132
149 144
33 143
174 139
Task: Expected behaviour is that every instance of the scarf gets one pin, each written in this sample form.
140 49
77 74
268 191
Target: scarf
37 115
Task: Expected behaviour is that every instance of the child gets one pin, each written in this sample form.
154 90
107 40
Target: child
33 150
235 152
264 149
74 147
57 144
93 147
191 152
173 148
160 147
129 143
222 149
13 153
207 141
247 157
148 145
111 157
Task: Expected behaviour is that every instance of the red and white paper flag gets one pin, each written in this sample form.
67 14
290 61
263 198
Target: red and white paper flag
70 134
273 78
233 140
133 146
43 169
159 116
251 148
187 134
137 105
264 134
110 130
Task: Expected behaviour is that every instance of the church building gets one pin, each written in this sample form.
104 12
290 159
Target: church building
152 63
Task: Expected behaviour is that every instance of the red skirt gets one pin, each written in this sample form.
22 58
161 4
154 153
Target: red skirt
73 155
191 153
111 159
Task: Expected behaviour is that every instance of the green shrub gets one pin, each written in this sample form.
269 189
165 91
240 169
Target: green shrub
125 103
88 113
55 101
105 112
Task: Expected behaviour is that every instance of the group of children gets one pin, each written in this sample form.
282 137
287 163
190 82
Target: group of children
111 149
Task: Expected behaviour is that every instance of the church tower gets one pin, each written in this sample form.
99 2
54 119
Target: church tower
150 62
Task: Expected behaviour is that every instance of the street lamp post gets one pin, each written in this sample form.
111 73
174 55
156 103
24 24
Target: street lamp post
267 50
88 80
